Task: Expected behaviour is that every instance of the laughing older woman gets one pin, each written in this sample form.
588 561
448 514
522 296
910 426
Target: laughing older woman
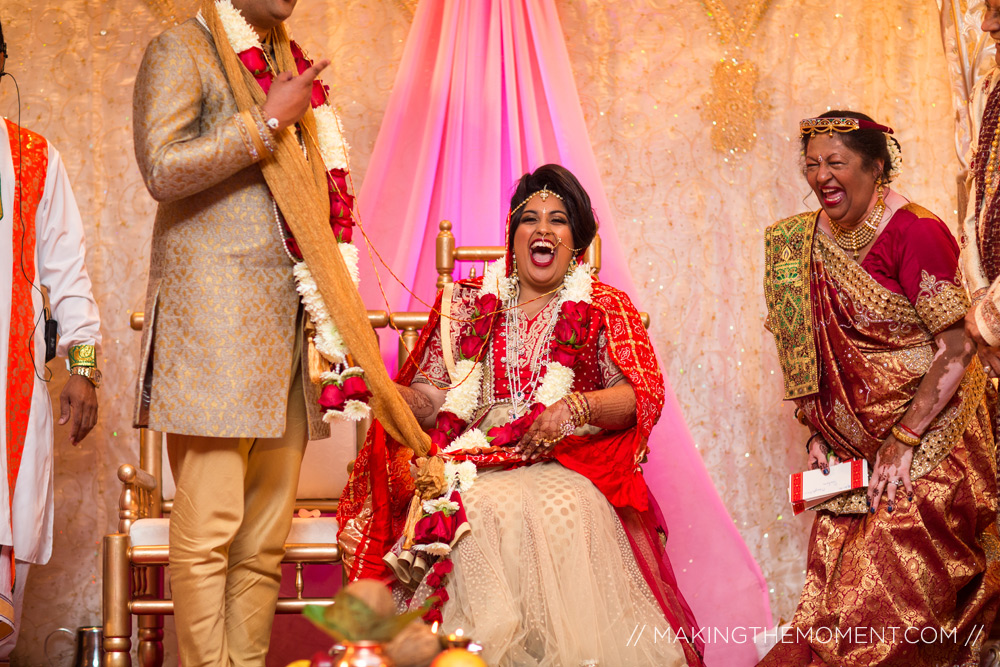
866 304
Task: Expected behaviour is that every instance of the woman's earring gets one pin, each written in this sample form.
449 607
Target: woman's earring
513 268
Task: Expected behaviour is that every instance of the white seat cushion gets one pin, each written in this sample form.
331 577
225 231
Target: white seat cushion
317 530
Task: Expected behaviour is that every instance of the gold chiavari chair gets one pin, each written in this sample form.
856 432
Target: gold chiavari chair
135 556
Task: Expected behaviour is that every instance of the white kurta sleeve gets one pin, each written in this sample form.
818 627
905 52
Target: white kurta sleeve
61 266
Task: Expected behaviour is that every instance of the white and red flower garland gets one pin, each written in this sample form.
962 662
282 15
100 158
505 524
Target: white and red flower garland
435 534
345 394
568 338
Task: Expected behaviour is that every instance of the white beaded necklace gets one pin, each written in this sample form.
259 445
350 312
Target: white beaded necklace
522 395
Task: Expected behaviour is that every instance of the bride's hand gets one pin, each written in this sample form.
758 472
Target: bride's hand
542 436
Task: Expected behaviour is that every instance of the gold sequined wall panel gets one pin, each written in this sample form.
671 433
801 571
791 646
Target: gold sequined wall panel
690 216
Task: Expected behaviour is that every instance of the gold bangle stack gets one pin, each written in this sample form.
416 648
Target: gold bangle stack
906 438
579 408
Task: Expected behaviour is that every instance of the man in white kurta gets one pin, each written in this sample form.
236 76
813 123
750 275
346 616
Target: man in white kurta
57 263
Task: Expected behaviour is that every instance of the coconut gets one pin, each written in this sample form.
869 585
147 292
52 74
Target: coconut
415 646
375 594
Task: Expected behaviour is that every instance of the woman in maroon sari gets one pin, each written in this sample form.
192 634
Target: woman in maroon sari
866 304
532 529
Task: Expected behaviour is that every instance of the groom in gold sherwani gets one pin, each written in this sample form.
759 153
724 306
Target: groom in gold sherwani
221 371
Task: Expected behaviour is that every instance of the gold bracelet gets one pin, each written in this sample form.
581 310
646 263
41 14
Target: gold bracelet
83 355
904 437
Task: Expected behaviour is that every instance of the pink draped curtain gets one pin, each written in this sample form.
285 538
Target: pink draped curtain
484 93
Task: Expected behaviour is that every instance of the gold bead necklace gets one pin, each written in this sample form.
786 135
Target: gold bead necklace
853 240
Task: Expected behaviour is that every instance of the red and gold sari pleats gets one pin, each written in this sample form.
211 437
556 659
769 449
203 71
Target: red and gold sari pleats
918 586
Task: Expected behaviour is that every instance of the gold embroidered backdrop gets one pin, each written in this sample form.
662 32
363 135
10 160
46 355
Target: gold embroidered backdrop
691 217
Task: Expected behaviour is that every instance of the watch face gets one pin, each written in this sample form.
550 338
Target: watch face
88 372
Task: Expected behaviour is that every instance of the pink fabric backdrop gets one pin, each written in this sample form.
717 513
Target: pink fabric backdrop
484 93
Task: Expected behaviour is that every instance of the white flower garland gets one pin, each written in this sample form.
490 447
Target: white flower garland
333 149
241 35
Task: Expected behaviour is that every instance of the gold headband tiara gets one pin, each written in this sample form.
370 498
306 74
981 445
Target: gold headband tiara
543 194
812 126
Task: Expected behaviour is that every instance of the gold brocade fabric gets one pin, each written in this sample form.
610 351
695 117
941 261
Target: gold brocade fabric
919 586
221 304
885 352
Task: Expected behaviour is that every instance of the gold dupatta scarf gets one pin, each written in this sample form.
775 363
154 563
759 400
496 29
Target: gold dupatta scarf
299 185
853 352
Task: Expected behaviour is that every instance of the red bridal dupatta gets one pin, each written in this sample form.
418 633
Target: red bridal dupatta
855 341
373 506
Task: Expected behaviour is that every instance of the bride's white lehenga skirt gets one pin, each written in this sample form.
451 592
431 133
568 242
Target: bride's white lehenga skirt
547 577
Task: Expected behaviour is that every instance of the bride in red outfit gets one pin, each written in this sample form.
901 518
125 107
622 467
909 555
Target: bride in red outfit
532 529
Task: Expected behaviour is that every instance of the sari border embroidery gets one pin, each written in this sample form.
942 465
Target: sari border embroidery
787 268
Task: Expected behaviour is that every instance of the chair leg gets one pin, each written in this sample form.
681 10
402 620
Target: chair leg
116 616
151 626
151 641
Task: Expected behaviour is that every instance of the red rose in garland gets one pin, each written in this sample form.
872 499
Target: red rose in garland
265 81
563 354
332 397
341 204
343 233
355 389
471 346
487 303
437 527
319 93
511 433
448 424
338 178
254 60
570 333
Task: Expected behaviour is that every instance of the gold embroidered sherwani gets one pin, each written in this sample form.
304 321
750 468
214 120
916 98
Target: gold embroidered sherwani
220 369
221 304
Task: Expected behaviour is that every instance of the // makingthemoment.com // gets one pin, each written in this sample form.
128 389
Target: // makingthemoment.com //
821 635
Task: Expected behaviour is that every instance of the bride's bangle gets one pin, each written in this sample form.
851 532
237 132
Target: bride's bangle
812 437
579 408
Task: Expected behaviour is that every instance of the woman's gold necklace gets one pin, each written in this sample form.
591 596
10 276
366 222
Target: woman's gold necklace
853 240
